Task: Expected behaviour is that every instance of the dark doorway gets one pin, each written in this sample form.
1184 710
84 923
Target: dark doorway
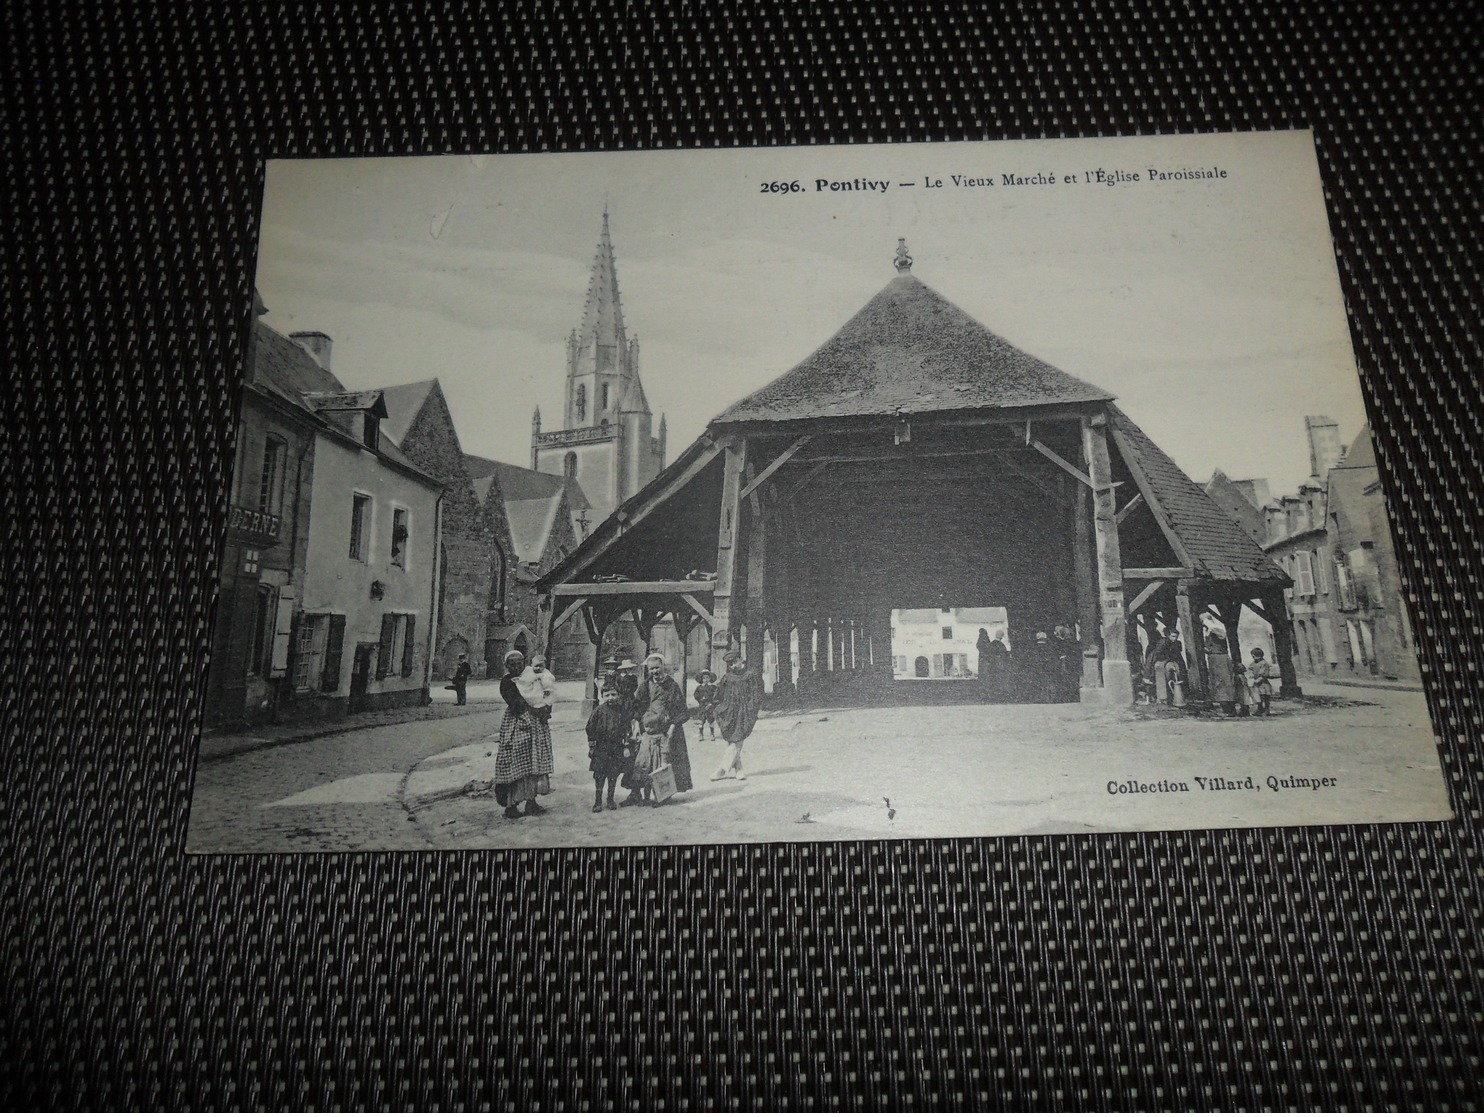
921 666
360 675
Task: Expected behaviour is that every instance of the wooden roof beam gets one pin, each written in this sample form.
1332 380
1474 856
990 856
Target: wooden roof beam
619 589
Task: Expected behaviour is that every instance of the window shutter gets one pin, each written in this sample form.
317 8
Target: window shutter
329 680
408 644
384 653
1305 574
1321 571
283 633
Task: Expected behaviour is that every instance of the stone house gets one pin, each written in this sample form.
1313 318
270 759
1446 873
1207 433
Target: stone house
329 574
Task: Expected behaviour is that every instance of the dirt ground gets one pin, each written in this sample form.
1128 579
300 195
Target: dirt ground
967 770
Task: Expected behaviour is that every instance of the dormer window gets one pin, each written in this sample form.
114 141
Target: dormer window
370 429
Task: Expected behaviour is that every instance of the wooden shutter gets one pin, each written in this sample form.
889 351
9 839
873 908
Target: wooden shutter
1305 574
384 653
283 632
329 680
408 645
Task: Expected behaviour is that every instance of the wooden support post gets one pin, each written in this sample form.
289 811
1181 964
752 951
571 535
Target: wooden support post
783 636
757 589
728 530
1277 610
1231 616
1117 680
1085 580
546 623
1190 640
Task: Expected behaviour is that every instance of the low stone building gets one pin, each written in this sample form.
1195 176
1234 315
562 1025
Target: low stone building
543 513
477 560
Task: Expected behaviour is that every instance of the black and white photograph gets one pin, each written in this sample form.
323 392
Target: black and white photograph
807 494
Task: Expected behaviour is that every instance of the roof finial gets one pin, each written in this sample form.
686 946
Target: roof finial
904 258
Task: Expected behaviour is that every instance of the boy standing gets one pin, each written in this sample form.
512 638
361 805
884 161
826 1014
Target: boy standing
607 736
706 701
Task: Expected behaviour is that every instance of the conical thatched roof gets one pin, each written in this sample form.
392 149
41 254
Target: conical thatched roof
910 351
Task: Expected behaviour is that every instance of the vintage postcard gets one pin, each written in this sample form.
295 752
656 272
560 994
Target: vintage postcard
804 494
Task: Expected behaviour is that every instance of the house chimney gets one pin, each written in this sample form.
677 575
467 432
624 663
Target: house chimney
1325 448
316 344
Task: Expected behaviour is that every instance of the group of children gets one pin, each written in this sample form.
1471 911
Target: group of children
616 755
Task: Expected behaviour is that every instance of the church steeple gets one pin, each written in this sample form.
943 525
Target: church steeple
606 440
602 332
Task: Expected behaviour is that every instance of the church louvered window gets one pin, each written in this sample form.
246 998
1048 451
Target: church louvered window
581 402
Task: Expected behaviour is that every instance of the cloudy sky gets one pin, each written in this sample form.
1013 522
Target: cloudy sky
1210 307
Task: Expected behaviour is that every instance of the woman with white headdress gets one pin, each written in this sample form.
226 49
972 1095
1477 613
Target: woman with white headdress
524 763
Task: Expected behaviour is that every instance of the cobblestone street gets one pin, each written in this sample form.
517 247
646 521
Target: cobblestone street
828 774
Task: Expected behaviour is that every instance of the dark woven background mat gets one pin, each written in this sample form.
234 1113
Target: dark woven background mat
1329 967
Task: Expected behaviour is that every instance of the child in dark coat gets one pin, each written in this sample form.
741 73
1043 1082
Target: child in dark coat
607 738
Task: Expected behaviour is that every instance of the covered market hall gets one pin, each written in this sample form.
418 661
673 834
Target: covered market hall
918 462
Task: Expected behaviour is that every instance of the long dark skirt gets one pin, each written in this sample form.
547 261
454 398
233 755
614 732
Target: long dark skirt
680 759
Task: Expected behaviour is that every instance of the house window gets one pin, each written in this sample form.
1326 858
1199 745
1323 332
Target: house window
400 541
360 527
947 632
581 402
309 651
270 483
396 653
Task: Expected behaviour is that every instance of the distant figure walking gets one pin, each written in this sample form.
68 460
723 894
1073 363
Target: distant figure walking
460 681
524 763
739 700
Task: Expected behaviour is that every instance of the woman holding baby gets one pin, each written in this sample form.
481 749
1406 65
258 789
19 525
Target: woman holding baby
524 762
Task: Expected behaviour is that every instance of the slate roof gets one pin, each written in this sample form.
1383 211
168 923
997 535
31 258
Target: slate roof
1218 548
912 351
285 369
403 404
533 501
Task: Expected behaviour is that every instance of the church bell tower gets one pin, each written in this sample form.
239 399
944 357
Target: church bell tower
606 442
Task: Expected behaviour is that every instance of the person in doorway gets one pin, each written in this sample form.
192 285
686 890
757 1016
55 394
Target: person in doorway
1219 672
1045 670
607 742
1260 682
994 666
524 762
739 699
705 704
1068 656
661 701
460 681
